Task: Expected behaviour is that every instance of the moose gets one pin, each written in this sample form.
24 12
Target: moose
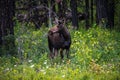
59 39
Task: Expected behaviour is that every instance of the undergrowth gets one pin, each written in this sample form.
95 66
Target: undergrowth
94 55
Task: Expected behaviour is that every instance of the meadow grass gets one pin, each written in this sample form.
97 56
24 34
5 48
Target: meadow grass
94 55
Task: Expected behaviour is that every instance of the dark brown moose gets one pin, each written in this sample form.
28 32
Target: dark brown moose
59 39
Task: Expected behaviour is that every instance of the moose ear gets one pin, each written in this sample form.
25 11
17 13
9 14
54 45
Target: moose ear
56 20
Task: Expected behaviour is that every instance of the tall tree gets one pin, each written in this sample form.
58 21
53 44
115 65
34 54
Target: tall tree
110 13
105 12
91 11
101 12
7 13
62 7
87 12
35 15
73 5
52 2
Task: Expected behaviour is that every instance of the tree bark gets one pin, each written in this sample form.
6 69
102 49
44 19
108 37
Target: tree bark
101 11
7 13
62 9
92 12
73 5
52 2
110 13
87 12
105 13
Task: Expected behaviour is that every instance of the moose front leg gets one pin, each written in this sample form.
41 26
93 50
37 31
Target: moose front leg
55 52
51 53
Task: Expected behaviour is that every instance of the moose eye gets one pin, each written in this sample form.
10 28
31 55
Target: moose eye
60 23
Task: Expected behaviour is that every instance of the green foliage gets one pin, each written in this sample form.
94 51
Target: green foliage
94 55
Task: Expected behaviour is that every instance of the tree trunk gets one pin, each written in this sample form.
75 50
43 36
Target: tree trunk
36 16
87 12
7 13
105 13
73 5
91 12
52 2
110 14
61 9
101 12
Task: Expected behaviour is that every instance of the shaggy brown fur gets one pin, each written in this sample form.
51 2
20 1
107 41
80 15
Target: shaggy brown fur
59 39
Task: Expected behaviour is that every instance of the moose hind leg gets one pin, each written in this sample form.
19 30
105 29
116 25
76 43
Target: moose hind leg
67 53
61 53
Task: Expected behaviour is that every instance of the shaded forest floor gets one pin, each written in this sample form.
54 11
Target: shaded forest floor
94 55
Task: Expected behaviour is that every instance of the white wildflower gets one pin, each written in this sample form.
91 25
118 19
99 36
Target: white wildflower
44 72
45 62
15 65
7 69
32 66
47 67
30 61
63 76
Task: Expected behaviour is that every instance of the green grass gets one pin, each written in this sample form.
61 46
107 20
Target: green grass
94 55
